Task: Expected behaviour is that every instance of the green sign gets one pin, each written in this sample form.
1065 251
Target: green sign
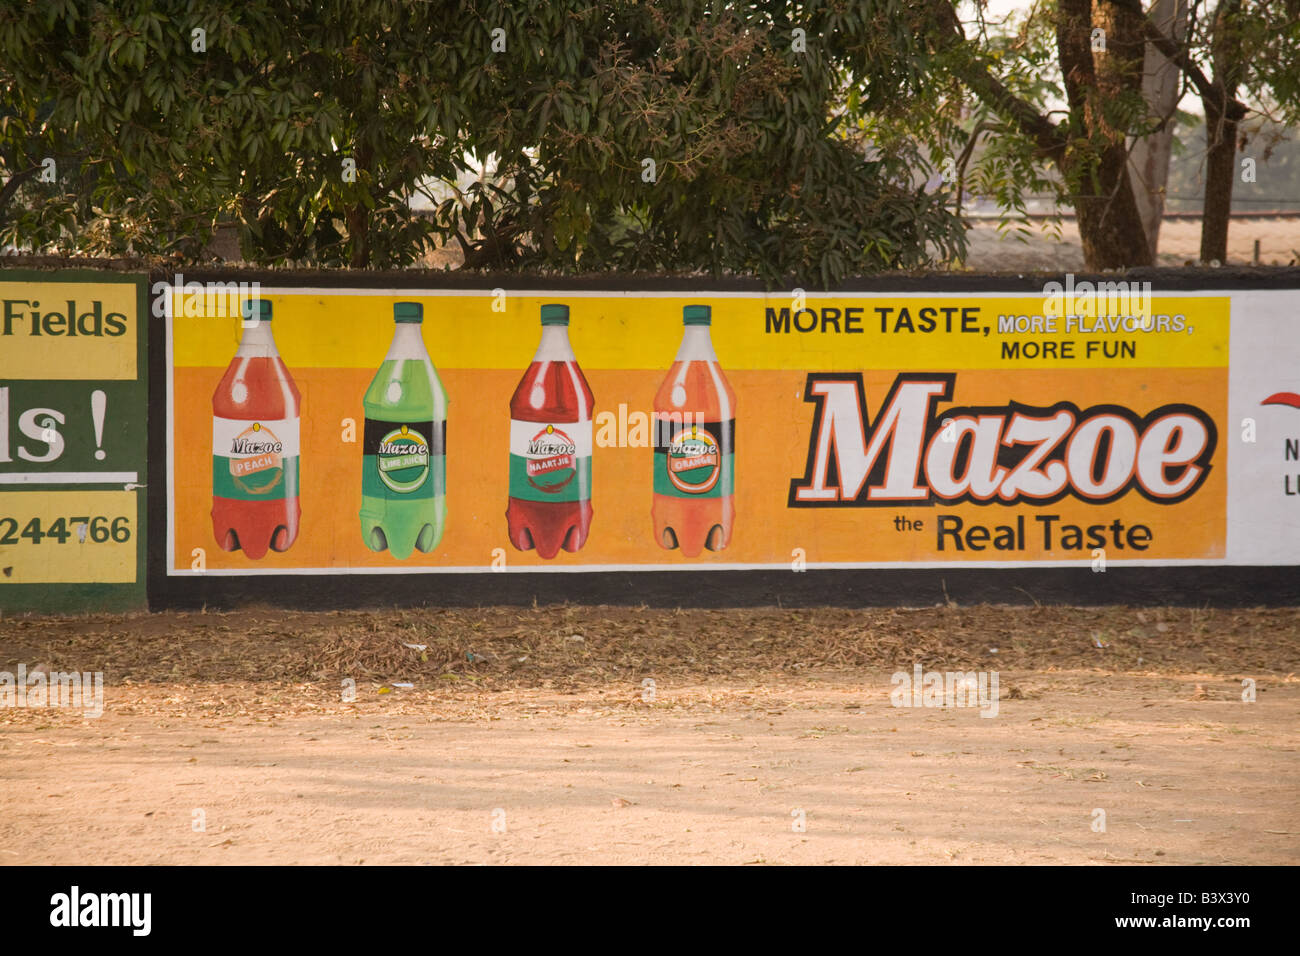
73 427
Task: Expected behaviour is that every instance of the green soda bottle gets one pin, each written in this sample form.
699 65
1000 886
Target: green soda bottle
404 457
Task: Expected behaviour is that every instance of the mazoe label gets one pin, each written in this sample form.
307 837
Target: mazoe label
693 458
403 459
252 455
548 459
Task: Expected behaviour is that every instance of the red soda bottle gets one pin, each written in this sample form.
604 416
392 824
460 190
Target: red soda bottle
694 446
255 444
550 446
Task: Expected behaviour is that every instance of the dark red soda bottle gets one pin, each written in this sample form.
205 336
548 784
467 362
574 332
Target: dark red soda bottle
550 446
255 445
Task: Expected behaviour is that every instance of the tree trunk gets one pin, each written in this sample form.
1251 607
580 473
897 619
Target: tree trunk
1220 175
1096 160
358 214
1110 226
11 187
1222 114
224 243
358 219
1161 84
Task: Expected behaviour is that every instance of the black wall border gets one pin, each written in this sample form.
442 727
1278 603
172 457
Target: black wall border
1162 279
1179 585
1219 586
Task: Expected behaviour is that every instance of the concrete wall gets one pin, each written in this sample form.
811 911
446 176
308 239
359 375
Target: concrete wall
900 440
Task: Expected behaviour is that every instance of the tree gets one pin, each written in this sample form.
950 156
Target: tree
1250 47
679 135
1223 114
1276 152
1096 50
1090 53
78 166
290 119
1255 47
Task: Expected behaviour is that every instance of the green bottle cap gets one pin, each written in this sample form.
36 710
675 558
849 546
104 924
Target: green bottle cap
408 312
697 315
555 314
256 310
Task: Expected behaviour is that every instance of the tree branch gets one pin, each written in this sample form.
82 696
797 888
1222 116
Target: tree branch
964 159
11 187
1049 138
1179 57
1074 50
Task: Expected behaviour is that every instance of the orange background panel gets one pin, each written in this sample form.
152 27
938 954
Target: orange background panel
772 436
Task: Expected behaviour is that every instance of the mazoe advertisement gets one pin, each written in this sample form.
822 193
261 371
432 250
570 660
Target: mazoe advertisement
335 431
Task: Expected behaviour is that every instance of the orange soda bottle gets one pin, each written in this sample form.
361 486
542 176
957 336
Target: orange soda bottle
694 446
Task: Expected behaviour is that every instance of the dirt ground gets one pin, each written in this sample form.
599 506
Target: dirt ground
629 735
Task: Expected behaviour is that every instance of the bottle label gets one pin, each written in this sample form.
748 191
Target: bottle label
694 458
406 460
550 461
255 459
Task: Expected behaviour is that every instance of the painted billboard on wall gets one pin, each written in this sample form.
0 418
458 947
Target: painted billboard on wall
400 431
73 425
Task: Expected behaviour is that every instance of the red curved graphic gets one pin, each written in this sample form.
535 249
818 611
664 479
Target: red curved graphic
1283 398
